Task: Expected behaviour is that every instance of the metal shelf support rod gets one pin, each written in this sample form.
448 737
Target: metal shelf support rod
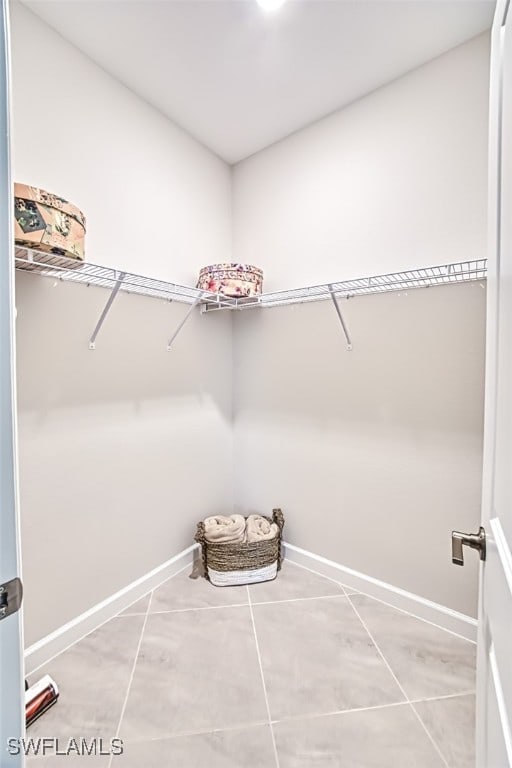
340 316
106 309
180 326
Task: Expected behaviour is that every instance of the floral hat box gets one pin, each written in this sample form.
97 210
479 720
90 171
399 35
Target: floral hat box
49 223
234 280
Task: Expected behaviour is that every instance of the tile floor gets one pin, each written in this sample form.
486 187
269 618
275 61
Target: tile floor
296 673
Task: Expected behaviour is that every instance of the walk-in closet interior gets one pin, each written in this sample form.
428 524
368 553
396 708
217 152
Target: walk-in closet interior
342 148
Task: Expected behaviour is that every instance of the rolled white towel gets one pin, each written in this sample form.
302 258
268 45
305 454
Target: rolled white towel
259 529
222 528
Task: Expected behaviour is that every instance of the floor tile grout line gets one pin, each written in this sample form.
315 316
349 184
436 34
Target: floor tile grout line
276 756
298 599
132 673
316 715
234 605
434 743
208 732
317 573
412 703
295 718
197 608
336 712
384 602
415 616
379 650
445 696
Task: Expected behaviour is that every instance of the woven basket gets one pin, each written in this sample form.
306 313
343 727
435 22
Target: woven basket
227 564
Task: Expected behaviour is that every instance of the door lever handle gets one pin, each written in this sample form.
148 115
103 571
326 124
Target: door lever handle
473 540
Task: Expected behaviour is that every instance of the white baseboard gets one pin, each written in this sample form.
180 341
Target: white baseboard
440 615
45 649
50 646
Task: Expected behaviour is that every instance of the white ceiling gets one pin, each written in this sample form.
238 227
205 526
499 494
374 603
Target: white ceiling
239 79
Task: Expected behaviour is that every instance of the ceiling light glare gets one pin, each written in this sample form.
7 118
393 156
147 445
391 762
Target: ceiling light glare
270 5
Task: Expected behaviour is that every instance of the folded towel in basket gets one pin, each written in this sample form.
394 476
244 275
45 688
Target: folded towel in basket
260 529
222 528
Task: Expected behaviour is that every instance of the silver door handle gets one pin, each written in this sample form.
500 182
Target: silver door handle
473 540
11 594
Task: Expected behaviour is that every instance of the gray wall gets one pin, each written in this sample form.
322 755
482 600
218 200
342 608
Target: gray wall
122 449
375 454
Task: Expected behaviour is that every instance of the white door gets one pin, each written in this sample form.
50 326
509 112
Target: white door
12 710
494 677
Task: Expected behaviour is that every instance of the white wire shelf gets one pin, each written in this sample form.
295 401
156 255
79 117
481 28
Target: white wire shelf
63 268
457 272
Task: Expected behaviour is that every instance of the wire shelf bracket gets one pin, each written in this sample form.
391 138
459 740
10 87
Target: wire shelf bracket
180 326
340 317
106 309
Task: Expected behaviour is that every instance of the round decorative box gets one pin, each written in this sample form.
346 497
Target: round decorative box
234 280
46 222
